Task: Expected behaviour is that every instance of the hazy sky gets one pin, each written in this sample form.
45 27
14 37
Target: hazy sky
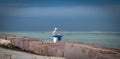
67 15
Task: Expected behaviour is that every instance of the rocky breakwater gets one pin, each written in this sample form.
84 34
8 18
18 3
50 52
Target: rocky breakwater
68 50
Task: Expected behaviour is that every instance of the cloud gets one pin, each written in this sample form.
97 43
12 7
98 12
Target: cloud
14 10
53 11
113 10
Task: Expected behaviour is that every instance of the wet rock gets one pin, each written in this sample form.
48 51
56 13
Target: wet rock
10 54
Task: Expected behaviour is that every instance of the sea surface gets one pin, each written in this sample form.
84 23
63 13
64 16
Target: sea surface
111 40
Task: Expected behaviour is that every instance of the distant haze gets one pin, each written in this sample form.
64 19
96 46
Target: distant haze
67 15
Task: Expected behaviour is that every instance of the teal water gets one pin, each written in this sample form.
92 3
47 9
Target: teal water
104 39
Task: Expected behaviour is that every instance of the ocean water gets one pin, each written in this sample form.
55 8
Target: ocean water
111 40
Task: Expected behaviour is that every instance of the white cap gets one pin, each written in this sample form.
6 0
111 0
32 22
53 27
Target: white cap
55 29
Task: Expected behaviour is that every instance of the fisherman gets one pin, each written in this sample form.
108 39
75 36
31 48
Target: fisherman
56 36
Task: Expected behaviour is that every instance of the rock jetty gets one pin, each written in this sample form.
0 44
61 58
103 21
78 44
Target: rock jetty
68 50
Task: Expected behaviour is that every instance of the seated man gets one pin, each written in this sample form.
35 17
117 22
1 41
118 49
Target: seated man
56 36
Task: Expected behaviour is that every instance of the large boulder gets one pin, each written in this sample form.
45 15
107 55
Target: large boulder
4 42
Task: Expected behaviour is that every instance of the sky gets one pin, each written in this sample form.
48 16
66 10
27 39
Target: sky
67 15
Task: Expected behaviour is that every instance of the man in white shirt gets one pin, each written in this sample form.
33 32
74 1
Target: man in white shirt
56 35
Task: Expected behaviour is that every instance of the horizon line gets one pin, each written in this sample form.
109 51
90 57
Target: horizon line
66 31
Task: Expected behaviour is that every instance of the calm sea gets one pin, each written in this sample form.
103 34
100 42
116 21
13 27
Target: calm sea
104 39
